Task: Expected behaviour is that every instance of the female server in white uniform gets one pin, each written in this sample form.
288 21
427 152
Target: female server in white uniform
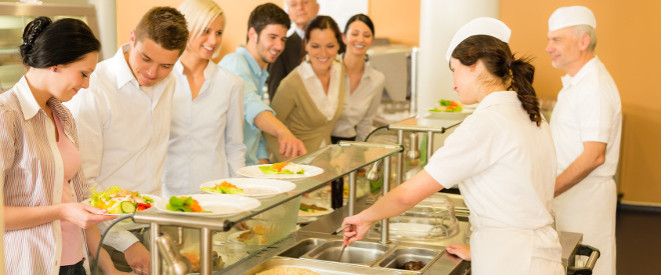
501 156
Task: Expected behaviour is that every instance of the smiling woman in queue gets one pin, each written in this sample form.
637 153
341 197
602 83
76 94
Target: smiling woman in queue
39 160
364 83
309 100
502 157
206 134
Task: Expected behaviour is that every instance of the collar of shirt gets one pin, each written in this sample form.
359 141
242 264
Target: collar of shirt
307 72
568 80
29 105
124 73
254 67
300 33
31 108
497 98
208 71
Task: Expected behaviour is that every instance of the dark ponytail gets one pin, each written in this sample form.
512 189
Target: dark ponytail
47 43
522 76
500 62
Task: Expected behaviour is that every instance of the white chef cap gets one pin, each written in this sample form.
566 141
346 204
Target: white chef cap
480 26
571 16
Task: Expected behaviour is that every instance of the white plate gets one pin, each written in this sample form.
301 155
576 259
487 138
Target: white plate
449 115
153 197
254 172
220 205
254 187
315 213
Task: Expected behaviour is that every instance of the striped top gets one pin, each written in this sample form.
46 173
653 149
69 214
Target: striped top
32 173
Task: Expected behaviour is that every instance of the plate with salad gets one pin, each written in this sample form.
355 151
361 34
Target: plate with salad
249 187
207 205
280 170
450 109
118 201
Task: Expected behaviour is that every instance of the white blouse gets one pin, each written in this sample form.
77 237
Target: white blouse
326 103
206 135
360 106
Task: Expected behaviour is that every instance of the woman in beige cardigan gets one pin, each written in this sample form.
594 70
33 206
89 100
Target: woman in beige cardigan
309 100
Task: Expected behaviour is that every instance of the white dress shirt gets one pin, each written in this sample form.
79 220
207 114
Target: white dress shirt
326 103
123 132
206 135
360 106
505 166
588 109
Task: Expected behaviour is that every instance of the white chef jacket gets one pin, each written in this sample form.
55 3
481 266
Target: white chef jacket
589 109
123 132
505 167
360 106
206 135
326 103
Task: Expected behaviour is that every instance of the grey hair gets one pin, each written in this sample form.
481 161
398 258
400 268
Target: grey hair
590 31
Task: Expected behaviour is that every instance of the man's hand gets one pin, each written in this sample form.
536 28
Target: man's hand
137 256
290 146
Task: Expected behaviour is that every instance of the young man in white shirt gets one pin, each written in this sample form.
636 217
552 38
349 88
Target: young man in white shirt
586 125
123 118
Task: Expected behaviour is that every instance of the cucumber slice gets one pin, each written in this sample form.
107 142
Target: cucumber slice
127 207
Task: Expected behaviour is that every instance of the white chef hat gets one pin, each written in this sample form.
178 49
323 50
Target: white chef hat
480 26
571 16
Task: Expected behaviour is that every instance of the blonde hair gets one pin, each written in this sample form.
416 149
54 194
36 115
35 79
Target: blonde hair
199 14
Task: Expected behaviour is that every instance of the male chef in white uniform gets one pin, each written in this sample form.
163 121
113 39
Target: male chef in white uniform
123 118
586 125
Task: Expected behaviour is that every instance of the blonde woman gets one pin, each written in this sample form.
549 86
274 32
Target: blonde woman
309 100
206 135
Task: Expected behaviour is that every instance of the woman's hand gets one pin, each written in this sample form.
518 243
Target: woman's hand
459 250
83 215
357 230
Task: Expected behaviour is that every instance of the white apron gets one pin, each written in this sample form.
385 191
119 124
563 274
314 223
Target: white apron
589 208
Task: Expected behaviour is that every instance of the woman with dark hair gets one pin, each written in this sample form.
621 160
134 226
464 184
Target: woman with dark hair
39 161
502 157
364 83
310 99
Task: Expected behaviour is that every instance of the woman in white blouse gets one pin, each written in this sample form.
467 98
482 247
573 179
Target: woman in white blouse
309 100
206 135
364 83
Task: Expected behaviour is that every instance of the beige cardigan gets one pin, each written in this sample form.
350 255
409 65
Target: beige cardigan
296 109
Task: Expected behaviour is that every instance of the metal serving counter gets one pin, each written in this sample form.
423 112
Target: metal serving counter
336 160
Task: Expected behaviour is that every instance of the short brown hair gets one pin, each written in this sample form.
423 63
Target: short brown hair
166 26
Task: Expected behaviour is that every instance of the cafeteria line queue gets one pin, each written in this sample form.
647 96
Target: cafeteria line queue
140 74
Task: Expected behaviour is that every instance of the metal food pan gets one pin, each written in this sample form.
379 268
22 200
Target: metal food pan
321 267
401 255
302 247
360 252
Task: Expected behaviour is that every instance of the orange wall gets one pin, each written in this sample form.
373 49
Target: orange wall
401 24
631 54
628 50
